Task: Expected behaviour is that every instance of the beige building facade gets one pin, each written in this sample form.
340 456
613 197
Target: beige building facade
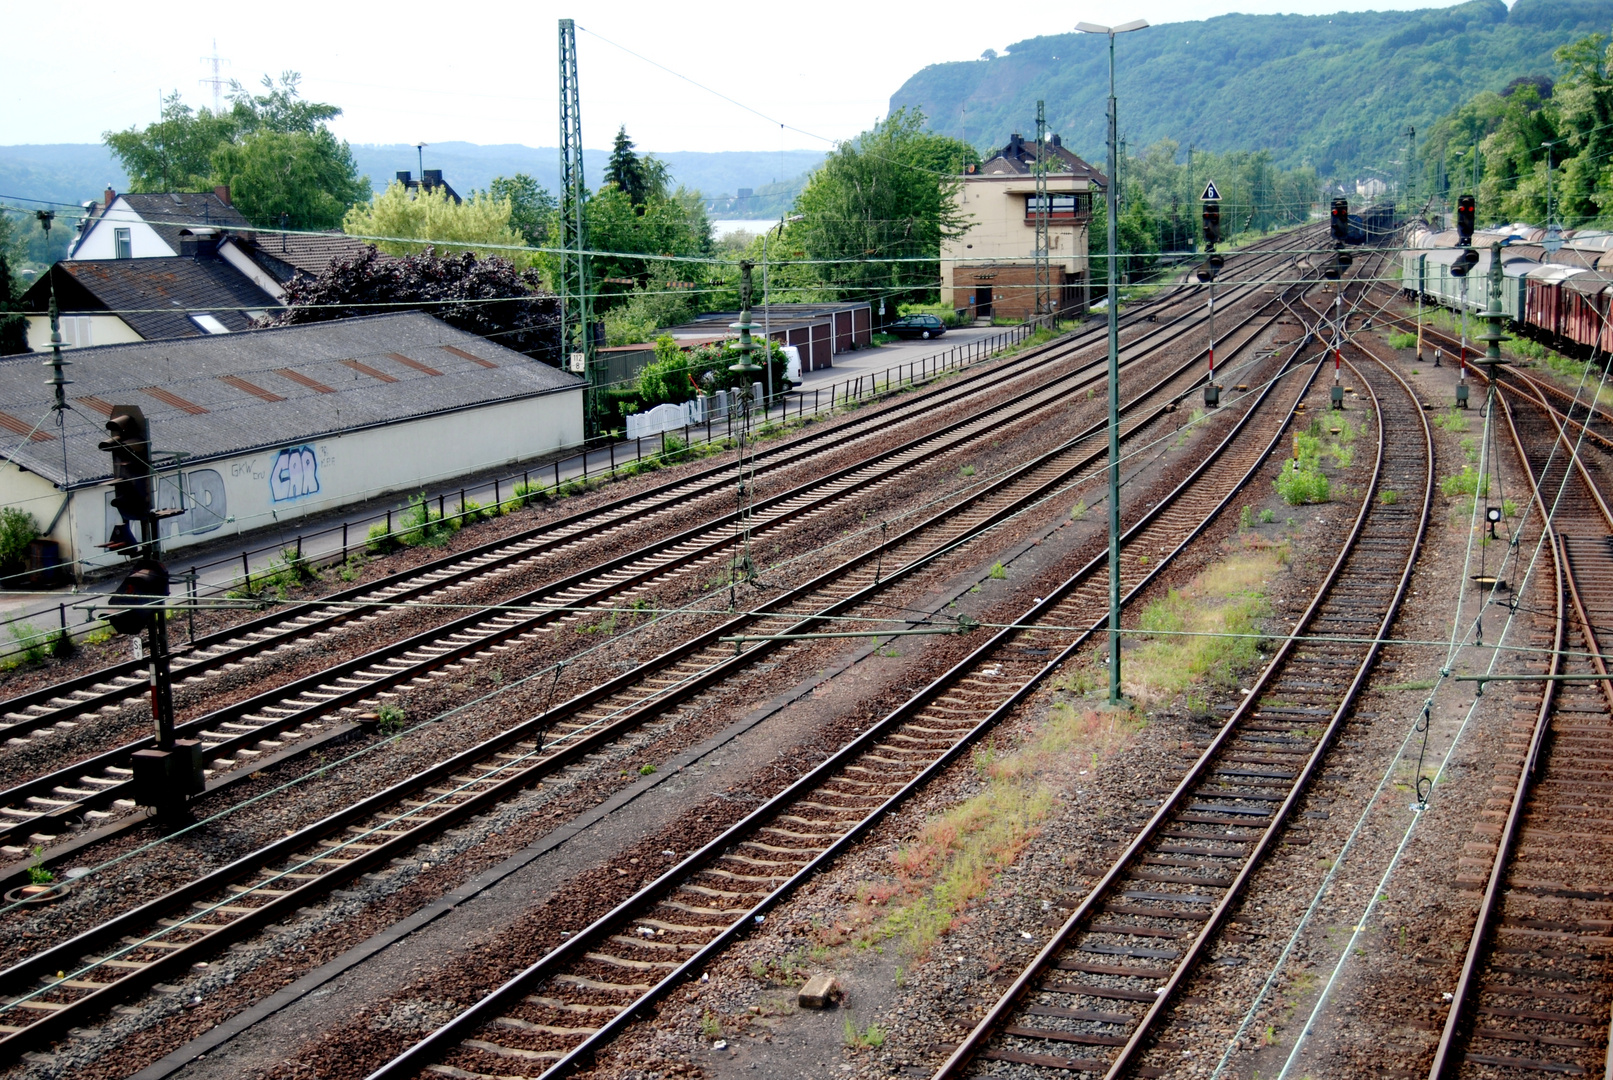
990 270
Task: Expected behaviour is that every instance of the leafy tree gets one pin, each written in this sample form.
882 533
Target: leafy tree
884 197
282 109
531 206
175 153
294 179
1503 139
486 296
273 149
13 326
474 224
677 375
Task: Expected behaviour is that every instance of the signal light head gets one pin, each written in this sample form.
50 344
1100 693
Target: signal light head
1465 213
1340 223
145 585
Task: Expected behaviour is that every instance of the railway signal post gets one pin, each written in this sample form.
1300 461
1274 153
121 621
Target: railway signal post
1340 226
165 776
1211 200
1469 258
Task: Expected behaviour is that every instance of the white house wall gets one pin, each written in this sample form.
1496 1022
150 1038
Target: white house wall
101 330
101 240
288 483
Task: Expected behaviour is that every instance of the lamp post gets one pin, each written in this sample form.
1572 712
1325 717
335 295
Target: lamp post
767 329
1112 203
420 155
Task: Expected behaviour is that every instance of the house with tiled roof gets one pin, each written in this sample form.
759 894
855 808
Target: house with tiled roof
262 427
990 270
149 224
115 301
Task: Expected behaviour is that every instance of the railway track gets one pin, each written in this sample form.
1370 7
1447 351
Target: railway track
166 935
60 703
96 790
1533 995
553 1015
1098 996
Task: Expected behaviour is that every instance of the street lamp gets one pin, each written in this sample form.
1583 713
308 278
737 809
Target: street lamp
420 153
1112 202
767 329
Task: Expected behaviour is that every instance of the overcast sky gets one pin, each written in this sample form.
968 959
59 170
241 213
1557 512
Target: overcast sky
487 72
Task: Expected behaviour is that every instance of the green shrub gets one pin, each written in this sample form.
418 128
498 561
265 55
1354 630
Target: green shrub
18 529
1388 496
1246 518
1301 485
673 446
1402 339
30 642
380 540
1467 482
1267 516
420 525
998 571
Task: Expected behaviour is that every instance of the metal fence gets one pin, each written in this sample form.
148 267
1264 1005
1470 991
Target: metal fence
259 568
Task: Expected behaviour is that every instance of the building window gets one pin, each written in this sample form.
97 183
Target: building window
76 331
1076 207
122 246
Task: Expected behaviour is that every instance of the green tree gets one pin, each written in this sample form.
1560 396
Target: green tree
273 149
175 153
480 223
293 179
625 169
531 206
879 200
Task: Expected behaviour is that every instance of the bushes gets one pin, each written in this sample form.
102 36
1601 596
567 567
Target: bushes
1467 482
1299 485
17 530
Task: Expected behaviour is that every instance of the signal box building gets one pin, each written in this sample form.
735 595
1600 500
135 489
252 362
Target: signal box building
273 425
990 270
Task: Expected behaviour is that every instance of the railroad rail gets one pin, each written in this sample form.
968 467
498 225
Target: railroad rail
554 1014
61 702
1535 984
96 789
1096 996
167 934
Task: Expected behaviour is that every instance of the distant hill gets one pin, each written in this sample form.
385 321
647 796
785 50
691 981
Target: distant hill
75 172
1336 92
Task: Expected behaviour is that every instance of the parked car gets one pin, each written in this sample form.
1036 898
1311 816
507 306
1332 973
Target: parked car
917 326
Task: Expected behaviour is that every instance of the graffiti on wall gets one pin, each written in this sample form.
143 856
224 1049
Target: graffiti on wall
294 474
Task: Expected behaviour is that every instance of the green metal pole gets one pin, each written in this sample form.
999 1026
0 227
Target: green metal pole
1114 402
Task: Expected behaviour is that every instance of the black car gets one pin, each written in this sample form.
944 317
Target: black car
917 326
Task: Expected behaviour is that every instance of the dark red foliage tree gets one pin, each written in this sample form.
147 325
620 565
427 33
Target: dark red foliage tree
489 297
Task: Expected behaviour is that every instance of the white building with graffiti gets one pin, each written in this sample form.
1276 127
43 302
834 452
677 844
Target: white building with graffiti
268 426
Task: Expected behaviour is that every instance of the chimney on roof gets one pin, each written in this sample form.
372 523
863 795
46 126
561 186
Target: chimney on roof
1056 141
223 193
405 178
431 178
1016 144
108 196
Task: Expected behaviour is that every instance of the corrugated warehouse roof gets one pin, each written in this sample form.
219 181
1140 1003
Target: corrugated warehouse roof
228 394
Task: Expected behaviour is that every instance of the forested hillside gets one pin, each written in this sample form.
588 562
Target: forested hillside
1335 92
